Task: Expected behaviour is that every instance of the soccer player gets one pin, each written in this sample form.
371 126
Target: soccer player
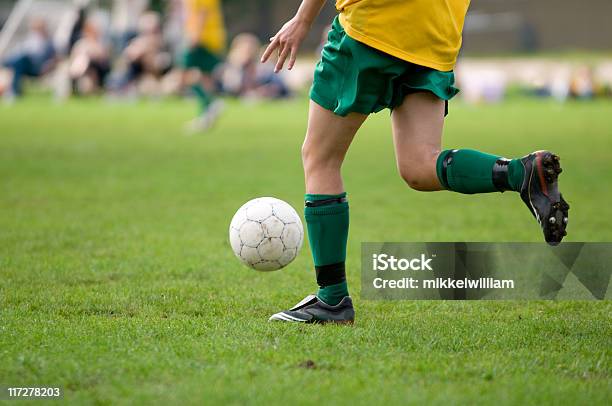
400 55
205 32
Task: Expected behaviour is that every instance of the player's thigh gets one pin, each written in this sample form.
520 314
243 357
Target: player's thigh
329 135
417 127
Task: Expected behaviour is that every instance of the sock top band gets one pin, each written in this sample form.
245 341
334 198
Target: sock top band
325 202
316 197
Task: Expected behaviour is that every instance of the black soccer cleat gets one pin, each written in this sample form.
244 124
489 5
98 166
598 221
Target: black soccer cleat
312 310
540 192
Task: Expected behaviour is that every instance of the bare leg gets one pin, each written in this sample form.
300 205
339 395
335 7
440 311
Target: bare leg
195 78
327 140
327 217
417 135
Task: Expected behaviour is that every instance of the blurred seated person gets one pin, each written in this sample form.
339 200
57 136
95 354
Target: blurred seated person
125 15
145 56
244 76
34 57
582 83
89 60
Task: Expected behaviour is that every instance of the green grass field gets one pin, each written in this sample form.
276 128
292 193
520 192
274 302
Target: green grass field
117 281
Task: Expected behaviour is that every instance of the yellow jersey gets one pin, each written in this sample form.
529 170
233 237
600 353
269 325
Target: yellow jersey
424 32
212 33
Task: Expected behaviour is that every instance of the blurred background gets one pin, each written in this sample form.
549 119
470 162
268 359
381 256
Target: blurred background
557 49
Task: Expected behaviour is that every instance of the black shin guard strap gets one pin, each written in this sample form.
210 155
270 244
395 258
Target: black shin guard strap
330 274
500 174
324 202
448 159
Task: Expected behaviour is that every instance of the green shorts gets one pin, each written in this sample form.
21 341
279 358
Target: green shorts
353 77
200 58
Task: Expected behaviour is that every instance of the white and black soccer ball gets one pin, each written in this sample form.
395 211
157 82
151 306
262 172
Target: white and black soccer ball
266 234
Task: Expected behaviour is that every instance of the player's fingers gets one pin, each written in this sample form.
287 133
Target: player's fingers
281 58
271 47
292 58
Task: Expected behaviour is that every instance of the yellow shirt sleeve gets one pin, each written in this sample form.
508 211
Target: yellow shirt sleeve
423 32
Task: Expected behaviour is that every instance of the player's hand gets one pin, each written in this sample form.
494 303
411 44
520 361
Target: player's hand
287 42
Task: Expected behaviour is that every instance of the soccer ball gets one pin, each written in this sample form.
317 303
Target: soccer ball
266 234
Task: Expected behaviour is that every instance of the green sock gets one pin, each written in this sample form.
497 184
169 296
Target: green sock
469 171
204 98
333 294
516 174
327 219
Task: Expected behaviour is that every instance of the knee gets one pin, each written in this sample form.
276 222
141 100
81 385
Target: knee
414 177
419 174
191 77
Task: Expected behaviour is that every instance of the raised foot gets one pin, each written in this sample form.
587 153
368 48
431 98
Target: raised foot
540 192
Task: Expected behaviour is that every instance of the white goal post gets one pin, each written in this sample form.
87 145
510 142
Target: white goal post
17 15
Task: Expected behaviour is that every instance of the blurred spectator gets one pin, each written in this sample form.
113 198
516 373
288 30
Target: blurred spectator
559 83
67 34
77 27
89 60
244 76
124 21
35 57
145 56
582 84
205 33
